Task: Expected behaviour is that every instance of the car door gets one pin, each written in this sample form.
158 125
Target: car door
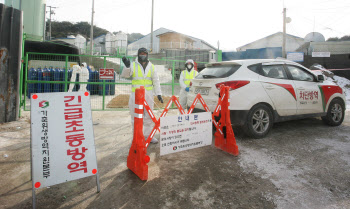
279 88
309 98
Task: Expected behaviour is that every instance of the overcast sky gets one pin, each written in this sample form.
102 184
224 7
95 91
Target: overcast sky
234 23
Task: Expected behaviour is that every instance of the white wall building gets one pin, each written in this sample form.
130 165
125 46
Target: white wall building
146 42
275 40
99 45
109 43
116 42
78 41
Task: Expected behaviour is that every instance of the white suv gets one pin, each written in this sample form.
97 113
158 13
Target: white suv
266 91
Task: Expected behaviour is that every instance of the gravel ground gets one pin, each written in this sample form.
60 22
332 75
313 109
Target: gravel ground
300 164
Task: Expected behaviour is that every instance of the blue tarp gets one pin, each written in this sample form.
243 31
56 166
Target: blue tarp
263 53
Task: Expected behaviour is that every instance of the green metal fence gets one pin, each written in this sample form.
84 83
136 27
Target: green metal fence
45 73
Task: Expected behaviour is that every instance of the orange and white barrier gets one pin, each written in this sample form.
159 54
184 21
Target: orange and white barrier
138 158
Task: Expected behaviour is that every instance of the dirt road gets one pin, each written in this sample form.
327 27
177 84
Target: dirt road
301 164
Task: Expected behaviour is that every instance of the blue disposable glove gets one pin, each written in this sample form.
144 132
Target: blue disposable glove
187 89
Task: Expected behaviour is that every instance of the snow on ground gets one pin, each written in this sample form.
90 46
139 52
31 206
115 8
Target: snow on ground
295 189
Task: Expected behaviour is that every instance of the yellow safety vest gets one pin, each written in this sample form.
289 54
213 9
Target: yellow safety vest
138 80
188 76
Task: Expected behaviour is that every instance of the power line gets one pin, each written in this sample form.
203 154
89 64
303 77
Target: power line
325 27
320 8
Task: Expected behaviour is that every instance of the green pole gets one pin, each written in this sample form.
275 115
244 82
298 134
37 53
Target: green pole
21 76
173 79
66 75
25 82
173 82
104 85
104 92
219 53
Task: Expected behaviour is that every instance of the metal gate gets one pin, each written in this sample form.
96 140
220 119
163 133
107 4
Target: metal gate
45 73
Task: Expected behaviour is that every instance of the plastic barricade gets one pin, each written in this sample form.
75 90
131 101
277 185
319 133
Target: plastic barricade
108 87
55 76
62 74
89 86
40 86
112 87
46 77
51 70
60 78
226 142
69 77
100 87
95 86
32 76
137 159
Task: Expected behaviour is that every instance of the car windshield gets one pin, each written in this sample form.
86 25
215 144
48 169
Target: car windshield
222 71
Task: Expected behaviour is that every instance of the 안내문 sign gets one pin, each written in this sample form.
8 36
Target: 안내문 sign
183 132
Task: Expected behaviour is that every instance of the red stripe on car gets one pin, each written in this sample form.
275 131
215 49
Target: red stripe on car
288 87
329 90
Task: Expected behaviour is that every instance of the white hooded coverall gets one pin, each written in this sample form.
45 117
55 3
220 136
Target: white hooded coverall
147 121
183 92
83 77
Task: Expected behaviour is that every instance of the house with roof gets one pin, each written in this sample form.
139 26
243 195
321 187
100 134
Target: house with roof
78 41
269 47
164 39
172 45
274 40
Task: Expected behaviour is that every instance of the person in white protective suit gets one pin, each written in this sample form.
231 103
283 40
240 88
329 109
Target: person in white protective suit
143 73
83 76
185 79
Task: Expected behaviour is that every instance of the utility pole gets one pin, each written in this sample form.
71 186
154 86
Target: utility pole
51 13
284 34
92 27
151 50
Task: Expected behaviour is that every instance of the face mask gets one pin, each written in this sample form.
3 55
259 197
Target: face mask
143 58
189 66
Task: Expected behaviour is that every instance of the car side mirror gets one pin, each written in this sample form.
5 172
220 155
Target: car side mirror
320 78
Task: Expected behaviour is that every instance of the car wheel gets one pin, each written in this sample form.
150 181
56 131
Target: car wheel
259 121
335 113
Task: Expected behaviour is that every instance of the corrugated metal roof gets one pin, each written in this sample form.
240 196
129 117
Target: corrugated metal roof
292 36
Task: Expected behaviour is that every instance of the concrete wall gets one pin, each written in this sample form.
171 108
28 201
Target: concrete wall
334 47
338 61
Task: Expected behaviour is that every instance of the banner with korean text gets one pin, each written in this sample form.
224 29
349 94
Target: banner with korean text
184 132
62 138
106 74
